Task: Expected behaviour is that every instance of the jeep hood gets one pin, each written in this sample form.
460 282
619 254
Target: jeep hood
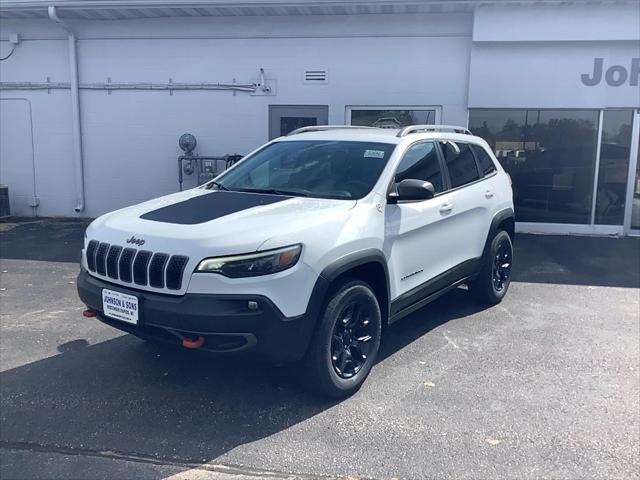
216 222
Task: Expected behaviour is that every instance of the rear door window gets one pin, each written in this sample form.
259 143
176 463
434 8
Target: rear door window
460 162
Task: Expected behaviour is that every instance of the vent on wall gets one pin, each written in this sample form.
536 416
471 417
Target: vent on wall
315 76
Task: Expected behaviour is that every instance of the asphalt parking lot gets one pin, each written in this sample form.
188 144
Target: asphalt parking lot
545 385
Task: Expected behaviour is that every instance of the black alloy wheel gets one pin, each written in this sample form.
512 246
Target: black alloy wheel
501 272
344 347
491 283
352 338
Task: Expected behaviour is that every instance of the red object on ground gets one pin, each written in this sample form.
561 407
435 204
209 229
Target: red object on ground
188 343
89 313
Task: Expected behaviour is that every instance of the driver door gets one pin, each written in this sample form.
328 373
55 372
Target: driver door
416 232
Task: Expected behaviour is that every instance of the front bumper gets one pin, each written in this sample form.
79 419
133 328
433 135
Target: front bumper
226 321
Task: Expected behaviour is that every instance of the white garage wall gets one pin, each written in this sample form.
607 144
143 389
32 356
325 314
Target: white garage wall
548 75
535 57
51 114
130 138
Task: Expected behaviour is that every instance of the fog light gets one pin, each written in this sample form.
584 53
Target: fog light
252 305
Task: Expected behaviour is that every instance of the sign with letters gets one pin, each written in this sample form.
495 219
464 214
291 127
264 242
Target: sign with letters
613 75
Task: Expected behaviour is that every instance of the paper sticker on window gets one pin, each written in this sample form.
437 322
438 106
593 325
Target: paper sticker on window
374 154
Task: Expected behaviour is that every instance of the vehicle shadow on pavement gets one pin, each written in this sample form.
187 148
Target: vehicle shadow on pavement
457 303
125 395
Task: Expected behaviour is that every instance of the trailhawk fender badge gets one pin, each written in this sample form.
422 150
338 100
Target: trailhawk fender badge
412 274
136 241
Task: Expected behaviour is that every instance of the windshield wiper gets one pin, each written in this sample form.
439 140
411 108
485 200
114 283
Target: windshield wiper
220 186
273 191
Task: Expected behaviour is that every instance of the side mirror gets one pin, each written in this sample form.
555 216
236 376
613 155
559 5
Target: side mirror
412 189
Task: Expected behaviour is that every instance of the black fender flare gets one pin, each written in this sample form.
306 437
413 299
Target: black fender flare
340 266
498 218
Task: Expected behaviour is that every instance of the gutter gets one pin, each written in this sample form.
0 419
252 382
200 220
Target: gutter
78 161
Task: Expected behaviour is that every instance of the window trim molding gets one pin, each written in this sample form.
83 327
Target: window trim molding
596 172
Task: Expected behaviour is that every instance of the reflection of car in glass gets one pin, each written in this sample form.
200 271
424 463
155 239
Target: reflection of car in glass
305 248
387 122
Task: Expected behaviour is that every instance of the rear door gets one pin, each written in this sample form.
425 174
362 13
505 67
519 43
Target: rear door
417 234
472 206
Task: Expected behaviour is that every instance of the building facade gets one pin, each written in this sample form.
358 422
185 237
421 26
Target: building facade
95 94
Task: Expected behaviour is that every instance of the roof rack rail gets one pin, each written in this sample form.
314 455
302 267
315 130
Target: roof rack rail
433 128
322 128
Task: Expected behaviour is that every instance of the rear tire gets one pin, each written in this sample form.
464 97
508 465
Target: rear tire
346 342
492 283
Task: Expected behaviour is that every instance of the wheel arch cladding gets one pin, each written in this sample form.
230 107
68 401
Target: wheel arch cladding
370 266
508 224
503 220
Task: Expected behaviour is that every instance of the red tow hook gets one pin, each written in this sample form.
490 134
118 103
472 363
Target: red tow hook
197 343
89 313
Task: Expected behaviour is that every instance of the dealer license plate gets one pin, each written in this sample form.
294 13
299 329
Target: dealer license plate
120 306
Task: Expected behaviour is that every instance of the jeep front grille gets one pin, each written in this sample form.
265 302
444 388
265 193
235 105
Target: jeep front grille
101 253
142 267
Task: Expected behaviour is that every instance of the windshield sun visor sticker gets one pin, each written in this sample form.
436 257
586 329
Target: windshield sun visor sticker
210 206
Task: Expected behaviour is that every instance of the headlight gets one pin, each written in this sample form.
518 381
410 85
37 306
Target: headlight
252 264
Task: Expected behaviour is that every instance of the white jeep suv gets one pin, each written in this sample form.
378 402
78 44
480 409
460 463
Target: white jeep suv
307 247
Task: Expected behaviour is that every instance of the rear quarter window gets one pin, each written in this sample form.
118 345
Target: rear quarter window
484 160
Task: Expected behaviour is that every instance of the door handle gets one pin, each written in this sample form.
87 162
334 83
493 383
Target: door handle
488 193
446 207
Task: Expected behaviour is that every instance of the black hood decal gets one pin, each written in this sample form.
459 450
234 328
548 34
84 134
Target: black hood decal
210 206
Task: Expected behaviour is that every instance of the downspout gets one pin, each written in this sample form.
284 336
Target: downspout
78 162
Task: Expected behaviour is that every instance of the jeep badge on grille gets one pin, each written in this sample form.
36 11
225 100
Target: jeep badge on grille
136 241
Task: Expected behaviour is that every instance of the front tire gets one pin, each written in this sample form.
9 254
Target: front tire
346 342
492 283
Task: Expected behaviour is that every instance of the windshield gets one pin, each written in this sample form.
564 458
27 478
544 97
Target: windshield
314 168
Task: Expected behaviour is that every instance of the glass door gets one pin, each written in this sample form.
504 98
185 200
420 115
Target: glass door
632 220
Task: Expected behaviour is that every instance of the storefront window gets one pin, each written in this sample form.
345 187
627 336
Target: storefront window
550 155
614 166
635 206
392 118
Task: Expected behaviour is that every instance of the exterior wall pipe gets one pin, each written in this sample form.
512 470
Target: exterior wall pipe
75 110
236 87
